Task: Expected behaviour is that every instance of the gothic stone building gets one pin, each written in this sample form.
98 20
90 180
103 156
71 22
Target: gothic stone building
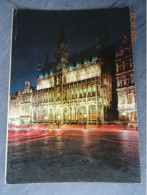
20 106
125 83
71 90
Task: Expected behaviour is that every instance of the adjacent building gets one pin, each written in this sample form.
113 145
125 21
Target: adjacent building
20 106
127 110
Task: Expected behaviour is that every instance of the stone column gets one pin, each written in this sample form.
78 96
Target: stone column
54 114
87 108
37 115
32 115
61 111
69 115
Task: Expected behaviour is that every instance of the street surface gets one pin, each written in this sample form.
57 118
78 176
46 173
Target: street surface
43 154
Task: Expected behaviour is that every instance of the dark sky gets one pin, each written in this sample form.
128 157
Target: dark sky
35 33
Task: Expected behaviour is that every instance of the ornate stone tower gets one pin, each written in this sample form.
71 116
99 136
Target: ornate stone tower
62 55
125 83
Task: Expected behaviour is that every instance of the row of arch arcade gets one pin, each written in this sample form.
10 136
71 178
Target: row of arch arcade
71 115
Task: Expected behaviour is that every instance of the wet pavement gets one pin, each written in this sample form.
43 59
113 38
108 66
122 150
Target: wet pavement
60 155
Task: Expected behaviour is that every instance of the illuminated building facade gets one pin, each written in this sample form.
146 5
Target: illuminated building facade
71 90
75 93
20 106
125 83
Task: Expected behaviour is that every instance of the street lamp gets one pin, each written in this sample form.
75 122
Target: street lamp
124 113
58 121
45 121
85 121
124 118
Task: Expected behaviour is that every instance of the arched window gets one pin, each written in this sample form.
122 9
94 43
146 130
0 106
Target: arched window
65 114
93 90
41 97
72 93
76 93
58 96
80 93
51 114
123 100
73 114
44 98
94 113
89 91
80 113
84 92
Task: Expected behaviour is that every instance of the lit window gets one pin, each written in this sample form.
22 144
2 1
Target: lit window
93 89
94 58
86 61
51 72
78 63
41 75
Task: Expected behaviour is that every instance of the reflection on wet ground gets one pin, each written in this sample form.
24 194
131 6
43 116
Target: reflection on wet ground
52 155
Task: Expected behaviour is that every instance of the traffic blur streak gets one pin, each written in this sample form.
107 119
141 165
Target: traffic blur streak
17 136
46 154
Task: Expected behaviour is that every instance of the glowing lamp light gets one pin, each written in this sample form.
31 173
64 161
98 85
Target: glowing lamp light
124 113
51 72
86 61
58 117
16 122
94 58
78 63
41 76
61 46
46 118
70 66
84 115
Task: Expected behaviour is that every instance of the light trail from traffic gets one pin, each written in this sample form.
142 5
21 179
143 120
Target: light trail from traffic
20 136
94 153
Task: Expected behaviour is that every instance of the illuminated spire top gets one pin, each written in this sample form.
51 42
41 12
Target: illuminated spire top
62 41
62 56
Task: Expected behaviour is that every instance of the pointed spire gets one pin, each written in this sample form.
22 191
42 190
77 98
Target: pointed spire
39 67
98 41
62 56
62 41
125 41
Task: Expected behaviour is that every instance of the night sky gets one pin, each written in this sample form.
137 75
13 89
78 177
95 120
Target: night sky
35 33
